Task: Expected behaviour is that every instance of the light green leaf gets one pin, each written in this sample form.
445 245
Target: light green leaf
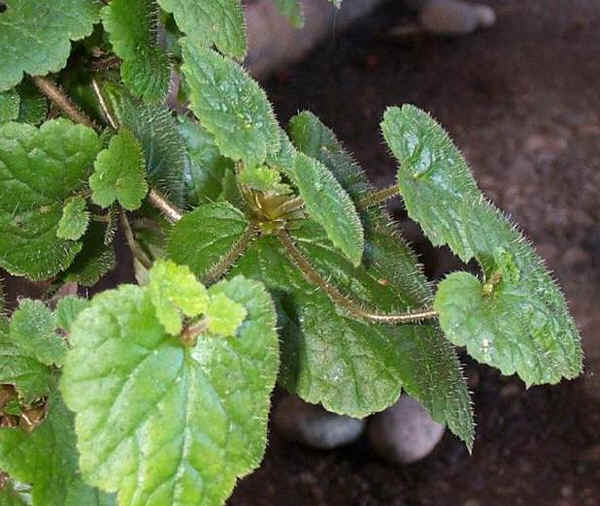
125 376
205 167
132 27
47 458
516 319
224 315
67 310
95 259
119 173
9 105
218 22
175 292
74 219
202 237
39 169
292 10
34 36
230 105
326 201
33 329
263 179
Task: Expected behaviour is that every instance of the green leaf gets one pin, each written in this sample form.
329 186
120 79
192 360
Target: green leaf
202 237
33 330
47 459
67 310
205 166
95 259
218 22
34 106
34 36
74 220
292 10
516 319
224 315
175 292
263 179
39 169
125 377
9 105
325 200
15 494
156 130
230 105
119 173
132 27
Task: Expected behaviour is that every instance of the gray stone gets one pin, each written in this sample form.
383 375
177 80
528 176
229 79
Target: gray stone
404 433
312 425
455 17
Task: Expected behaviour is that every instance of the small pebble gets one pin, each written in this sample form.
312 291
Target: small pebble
455 17
313 426
405 432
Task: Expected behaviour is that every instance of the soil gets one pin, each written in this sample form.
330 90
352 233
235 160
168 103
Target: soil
522 102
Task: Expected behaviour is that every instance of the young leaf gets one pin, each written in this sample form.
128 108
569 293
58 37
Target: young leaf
34 36
516 319
230 105
119 173
219 22
9 105
74 219
47 458
215 229
263 179
175 292
132 27
39 169
224 315
67 310
205 165
161 422
292 10
33 330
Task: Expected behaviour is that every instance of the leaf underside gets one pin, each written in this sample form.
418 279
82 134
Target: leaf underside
516 319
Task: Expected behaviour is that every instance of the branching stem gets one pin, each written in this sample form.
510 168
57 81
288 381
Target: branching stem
137 252
227 260
63 102
377 197
313 277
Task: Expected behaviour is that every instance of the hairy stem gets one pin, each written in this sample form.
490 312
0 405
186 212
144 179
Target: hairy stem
63 102
377 197
137 252
313 277
169 210
227 260
103 107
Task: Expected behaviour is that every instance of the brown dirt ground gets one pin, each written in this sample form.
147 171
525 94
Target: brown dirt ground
522 102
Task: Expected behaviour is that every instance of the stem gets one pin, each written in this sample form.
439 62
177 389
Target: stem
191 331
171 212
227 260
377 197
103 106
63 102
137 252
312 276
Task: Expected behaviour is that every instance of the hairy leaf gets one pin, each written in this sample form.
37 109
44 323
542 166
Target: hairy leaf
132 26
39 169
202 237
175 292
34 36
218 22
67 310
263 179
224 315
47 458
516 319
119 173
9 105
74 220
230 105
292 10
205 166
125 376
33 108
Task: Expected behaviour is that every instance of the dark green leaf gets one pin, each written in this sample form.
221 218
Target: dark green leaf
9 105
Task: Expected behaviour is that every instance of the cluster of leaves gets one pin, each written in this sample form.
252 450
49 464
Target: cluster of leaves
158 393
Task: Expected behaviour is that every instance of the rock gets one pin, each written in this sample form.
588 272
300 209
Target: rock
405 432
454 17
312 425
